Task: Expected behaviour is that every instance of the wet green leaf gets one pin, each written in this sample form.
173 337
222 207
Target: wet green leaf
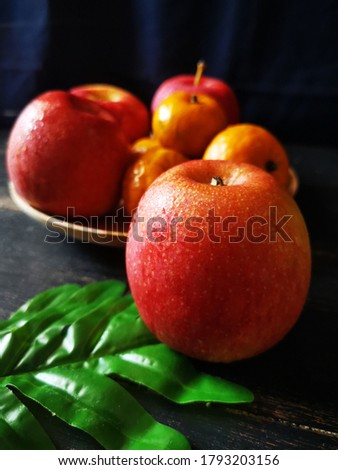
170 374
18 427
99 406
94 320
57 349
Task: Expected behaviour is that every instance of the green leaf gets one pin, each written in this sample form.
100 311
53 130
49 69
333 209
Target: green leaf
18 427
171 375
57 349
94 320
99 406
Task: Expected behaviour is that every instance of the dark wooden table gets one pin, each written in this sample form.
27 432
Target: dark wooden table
295 383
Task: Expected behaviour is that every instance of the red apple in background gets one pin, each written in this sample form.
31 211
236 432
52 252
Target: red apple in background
197 83
130 112
218 260
65 151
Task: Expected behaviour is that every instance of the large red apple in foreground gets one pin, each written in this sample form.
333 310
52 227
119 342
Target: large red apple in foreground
129 110
67 152
214 87
218 260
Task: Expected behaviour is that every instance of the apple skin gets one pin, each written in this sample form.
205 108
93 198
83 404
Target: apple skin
64 151
217 301
211 86
129 110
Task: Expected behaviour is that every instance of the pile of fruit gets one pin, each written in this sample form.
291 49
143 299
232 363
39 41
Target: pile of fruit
218 257
97 146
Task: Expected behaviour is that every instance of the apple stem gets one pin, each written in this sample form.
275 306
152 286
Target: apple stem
216 181
199 72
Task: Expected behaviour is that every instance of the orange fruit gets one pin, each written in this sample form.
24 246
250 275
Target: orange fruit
141 146
249 143
187 122
144 171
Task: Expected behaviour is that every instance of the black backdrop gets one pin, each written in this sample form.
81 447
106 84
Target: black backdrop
280 56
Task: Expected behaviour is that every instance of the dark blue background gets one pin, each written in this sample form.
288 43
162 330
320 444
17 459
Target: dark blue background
281 57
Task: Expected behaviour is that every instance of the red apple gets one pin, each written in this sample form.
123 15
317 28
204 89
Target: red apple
65 151
211 86
218 260
130 112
